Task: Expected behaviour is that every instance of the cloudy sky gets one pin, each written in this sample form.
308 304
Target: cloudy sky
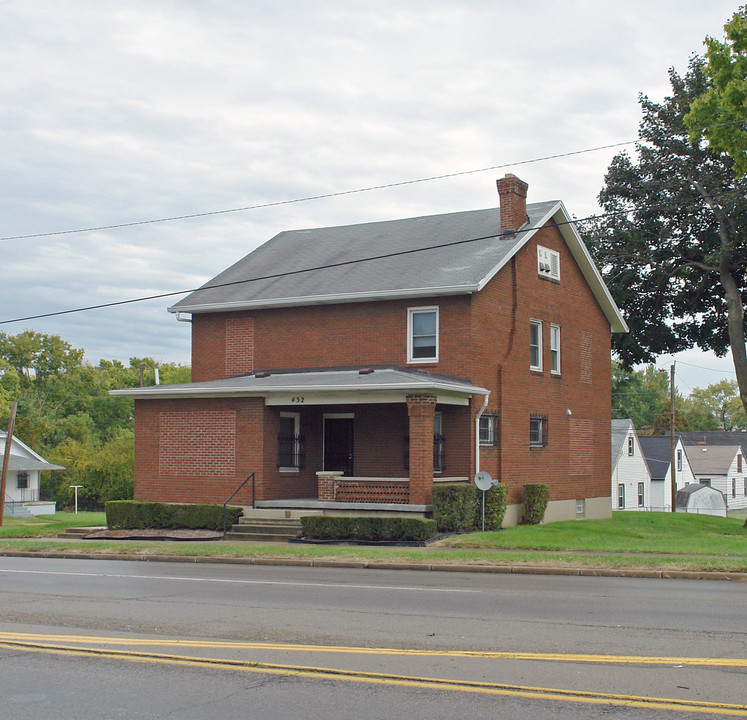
121 112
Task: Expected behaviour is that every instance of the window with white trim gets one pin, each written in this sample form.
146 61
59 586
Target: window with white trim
22 478
555 349
538 431
631 445
621 496
548 263
290 443
640 495
535 345
422 334
488 429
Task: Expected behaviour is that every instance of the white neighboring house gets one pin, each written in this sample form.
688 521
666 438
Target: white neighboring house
723 468
631 480
657 451
22 481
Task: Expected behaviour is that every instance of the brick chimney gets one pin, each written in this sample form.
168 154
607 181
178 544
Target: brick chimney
513 199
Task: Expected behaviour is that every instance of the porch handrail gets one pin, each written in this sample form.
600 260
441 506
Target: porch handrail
231 496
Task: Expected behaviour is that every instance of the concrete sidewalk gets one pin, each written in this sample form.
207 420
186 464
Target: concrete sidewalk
384 565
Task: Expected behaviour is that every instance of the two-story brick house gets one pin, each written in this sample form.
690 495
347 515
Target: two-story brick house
363 363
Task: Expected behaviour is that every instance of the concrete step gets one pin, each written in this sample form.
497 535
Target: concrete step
255 529
256 537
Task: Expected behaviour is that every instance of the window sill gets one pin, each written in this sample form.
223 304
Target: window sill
289 469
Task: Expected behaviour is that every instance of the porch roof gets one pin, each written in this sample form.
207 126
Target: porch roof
321 387
16 462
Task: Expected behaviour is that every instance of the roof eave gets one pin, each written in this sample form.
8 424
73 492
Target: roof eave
330 299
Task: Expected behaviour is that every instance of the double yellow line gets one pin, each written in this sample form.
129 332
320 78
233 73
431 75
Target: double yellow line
74 645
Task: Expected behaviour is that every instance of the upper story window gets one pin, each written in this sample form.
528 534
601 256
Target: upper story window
739 463
422 334
555 349
535 345
548 263
631 445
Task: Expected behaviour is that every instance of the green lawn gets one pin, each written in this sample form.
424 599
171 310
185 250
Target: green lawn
652 541
48 525
626 532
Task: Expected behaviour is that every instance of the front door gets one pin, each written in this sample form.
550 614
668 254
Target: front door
338 444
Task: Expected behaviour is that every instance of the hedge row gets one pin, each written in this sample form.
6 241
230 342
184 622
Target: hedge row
457 507
316 527
536 497
132 514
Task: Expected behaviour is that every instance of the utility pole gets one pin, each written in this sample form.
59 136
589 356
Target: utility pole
6 457
672 468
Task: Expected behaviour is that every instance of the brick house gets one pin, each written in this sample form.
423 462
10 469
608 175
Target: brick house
361 364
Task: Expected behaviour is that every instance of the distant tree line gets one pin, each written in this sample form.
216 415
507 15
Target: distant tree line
644 397
66 414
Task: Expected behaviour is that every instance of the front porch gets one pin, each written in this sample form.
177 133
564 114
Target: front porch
347 440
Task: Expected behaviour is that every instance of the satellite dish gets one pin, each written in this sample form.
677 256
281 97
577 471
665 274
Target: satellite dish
484 481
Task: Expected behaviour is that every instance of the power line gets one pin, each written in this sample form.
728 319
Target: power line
323 196
158 296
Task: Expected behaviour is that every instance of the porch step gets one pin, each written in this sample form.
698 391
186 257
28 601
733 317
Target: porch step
264 530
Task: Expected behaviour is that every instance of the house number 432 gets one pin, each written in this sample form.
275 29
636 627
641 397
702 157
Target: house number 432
297 399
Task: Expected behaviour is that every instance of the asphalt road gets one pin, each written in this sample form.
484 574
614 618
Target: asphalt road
91 639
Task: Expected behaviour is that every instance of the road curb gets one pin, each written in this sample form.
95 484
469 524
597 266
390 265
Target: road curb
381 565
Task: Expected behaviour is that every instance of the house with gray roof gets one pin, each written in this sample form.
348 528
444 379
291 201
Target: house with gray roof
352 368
657 451
631 480
23 478
721 467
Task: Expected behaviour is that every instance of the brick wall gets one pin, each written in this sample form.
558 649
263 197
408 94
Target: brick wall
484 338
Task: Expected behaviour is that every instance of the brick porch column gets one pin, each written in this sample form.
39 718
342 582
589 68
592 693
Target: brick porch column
326 484
421 409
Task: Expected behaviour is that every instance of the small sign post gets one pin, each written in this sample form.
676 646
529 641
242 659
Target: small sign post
484 482
75 487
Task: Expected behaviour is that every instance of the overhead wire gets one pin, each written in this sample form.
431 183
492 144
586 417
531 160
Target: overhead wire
273 276
309 198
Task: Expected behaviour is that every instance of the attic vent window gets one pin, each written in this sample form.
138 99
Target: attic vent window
548 263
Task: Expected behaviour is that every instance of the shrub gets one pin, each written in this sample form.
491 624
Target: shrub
536 497
495 507
454 507
370 529
132 514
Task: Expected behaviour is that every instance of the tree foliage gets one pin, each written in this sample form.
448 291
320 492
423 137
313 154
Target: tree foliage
643 396
720 113
673 239
66 414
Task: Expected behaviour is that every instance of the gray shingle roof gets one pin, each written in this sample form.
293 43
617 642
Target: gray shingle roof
365 382
711 459
657 450
407 270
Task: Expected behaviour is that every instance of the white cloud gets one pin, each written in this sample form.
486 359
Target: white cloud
119 112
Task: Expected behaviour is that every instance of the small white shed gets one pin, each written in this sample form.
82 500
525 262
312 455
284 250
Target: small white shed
701 499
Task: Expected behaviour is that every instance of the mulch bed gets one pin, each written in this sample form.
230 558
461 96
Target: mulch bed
154 534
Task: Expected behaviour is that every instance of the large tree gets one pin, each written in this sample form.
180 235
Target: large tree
673 241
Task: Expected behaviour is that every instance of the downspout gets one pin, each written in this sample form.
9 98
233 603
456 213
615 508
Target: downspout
477 431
